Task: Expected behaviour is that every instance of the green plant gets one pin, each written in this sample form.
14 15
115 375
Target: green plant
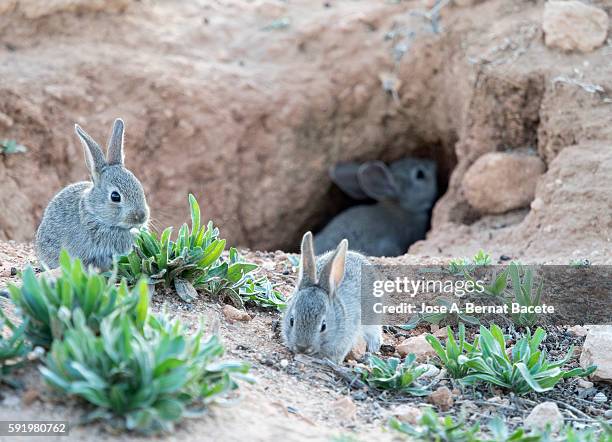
524 294
194 261
395 375
462 266
521 369
143 372
430 428
500 433
579 263
591 434
13 347
454 354
11 146
48 304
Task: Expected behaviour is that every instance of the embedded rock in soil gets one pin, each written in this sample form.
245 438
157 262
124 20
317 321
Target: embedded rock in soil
498 182
345 409
442 398
573 25
406 413
596 350
358 351
233 314
544 414
417 345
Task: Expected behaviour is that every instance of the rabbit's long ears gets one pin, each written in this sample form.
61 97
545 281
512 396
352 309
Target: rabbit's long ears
333 272
377 182
114 154
94 157
308 269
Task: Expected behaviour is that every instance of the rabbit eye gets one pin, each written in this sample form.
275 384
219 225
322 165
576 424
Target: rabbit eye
291 321
323 326
115 197
420 175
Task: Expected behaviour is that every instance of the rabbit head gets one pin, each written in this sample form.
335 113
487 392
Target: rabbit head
310 321
410 182
117 198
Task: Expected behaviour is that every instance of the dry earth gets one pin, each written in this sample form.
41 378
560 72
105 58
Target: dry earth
246 104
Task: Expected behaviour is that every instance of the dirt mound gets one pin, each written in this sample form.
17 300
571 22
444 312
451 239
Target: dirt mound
247 104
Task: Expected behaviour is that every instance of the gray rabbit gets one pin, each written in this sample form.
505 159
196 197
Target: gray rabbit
92 219
324 315
405 193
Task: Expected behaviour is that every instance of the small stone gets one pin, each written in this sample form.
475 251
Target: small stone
608 414
10 401
417 345
515 176
30 396
432 371
284 363
543 414
441 333
232 314
358 351
537 204
442 398
345 409
578 330
407 414
574 25
596 351
583 383
600 398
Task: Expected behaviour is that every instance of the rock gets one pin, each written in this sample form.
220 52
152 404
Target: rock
583 383
441 333
345 409
407 414
284 363
7 6
34 9
432 371
442 398
498 181
573 25
358 350
600 398
543 414
578 330
30 396
232 314
417 345
596 350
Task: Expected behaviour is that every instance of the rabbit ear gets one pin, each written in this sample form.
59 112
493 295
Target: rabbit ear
345 176
377 181
308 270
333 273
114 153
94 157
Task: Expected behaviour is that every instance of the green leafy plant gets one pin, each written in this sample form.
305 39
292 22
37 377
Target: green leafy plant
143 372
500 432
455 353
393 374
580 263
194 261
461 266
11 147
431 428
13 347
521 369
524 294
48 304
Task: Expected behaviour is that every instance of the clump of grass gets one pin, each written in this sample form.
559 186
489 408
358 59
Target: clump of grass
144 372
13 347
194 261
432 428
8 147
393 374
521 369
455 353
48 305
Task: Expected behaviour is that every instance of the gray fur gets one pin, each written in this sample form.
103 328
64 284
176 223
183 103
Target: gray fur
334 297
404 191
82 218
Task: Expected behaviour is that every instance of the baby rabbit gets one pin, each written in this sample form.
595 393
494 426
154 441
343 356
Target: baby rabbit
324 315
405 192
92 220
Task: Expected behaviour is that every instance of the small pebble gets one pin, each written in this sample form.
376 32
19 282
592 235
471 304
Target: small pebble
284 363
600 398
608 414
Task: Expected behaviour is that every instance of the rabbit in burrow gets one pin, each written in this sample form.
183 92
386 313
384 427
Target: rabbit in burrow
405 192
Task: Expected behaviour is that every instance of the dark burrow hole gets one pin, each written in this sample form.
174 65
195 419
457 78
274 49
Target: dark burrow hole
336 201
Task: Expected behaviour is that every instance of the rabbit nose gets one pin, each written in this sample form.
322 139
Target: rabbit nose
306 349
140 215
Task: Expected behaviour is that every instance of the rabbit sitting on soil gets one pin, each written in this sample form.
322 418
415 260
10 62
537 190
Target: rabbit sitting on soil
405 192
324 315
92 220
